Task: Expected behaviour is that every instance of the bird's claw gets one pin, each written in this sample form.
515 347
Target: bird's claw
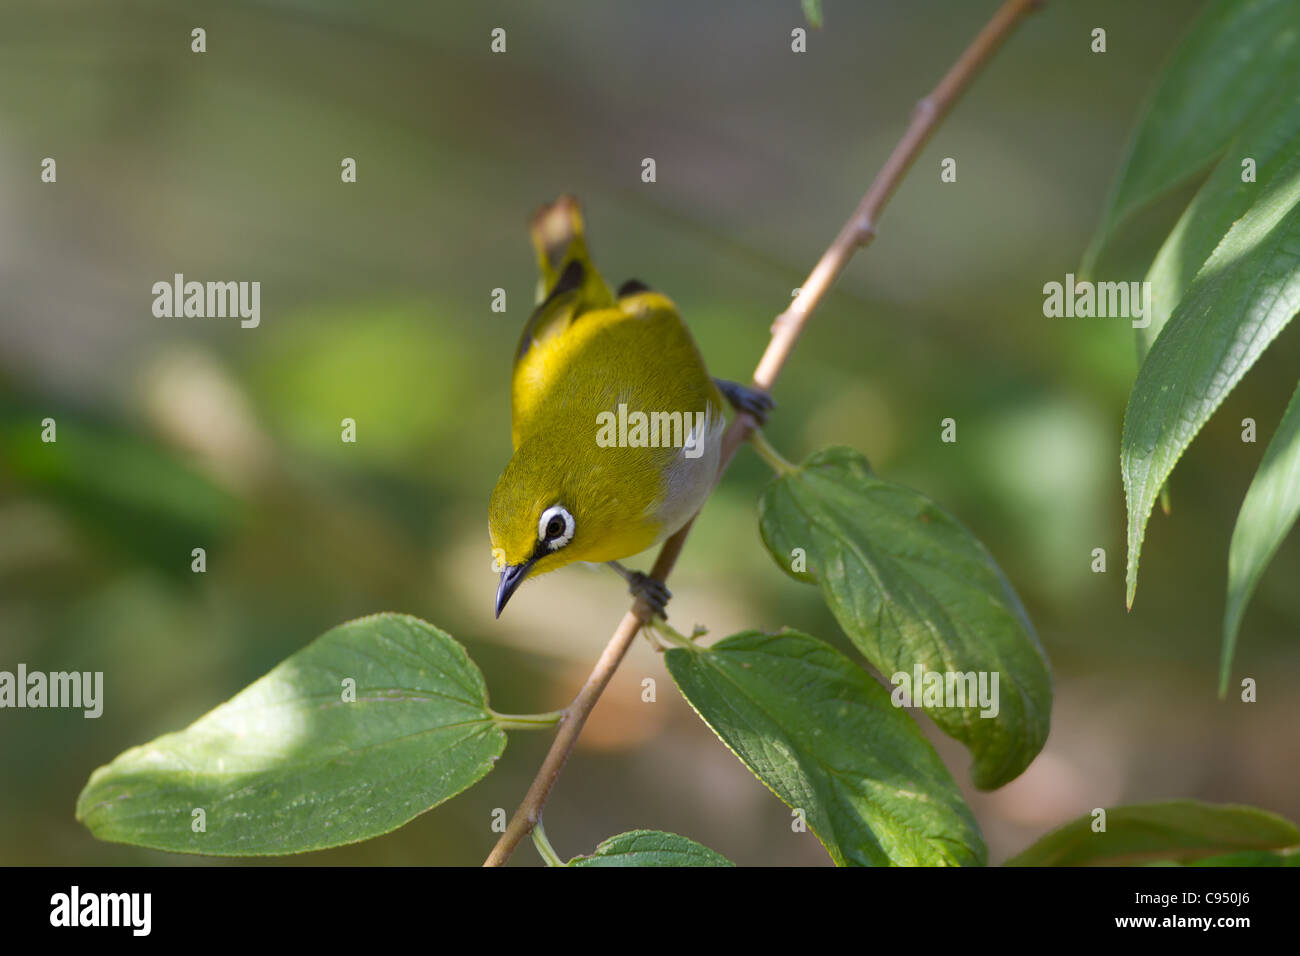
743 398
651 590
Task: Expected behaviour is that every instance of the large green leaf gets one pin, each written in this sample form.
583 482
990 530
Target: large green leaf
1267 514
1179 830
651 848
1271 139
825 738
1289 857
1245 294
1235 57
912 587
286 765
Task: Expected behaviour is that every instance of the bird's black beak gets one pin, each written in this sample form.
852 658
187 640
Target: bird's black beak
511 578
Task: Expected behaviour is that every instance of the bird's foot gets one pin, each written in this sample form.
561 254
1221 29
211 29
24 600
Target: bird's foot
755 401
651 590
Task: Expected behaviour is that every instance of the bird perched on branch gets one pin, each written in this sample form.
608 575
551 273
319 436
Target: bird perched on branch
616 423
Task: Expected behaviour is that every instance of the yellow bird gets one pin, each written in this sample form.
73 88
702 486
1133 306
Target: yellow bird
616 423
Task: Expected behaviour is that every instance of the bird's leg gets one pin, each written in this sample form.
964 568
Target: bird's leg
651 590
745 399
624 573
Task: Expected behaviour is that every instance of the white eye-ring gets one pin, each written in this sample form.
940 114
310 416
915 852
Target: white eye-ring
555 528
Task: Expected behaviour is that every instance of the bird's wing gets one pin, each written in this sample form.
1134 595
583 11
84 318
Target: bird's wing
554 313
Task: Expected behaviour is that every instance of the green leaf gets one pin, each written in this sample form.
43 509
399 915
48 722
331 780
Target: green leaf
1271 139
912 587
651 848
1267 515
1179 830
812 11
287 766
825 738
1245 294
1288 857
1235 57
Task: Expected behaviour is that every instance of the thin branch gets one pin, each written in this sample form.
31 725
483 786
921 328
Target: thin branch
857 232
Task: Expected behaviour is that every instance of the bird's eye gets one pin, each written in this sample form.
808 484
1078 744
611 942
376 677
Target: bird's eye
555 528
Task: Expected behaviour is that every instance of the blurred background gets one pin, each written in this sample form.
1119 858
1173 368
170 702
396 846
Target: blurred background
181 433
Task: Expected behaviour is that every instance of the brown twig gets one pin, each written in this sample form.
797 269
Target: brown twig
857 232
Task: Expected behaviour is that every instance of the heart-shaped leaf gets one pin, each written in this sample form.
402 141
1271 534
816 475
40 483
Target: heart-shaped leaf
373 723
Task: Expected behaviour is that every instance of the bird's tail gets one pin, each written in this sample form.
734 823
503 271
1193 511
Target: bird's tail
559 239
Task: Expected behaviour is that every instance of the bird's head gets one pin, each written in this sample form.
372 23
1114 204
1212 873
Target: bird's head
558 502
